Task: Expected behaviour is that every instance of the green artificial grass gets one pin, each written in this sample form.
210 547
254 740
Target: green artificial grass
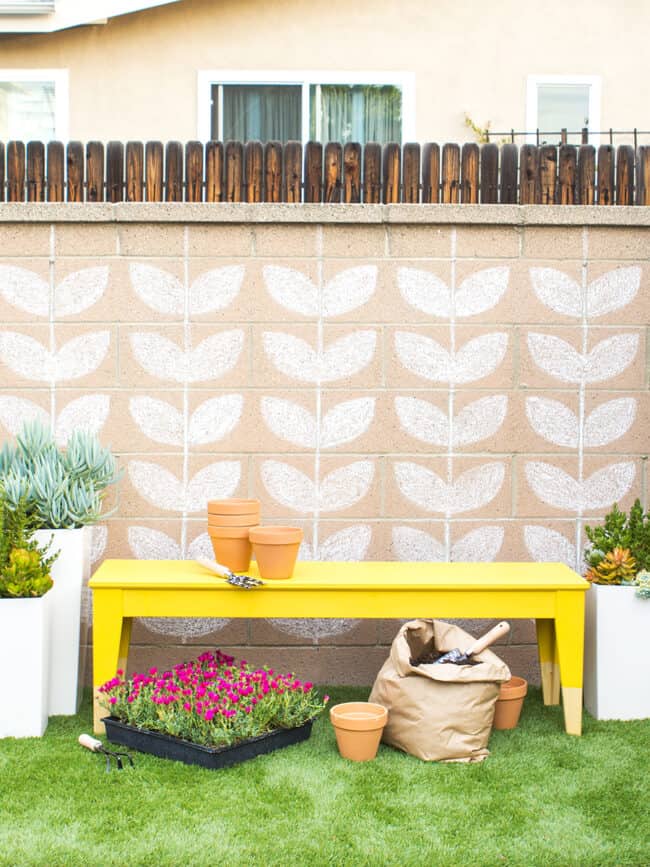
541 798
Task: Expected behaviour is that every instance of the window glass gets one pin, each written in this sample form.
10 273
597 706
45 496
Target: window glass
562 106
359 113
267 112
27 110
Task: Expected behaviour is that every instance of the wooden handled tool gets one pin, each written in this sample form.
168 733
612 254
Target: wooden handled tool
244 581
463 657
96 746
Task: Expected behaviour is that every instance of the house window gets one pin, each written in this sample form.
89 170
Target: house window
33 104
324 106
562 102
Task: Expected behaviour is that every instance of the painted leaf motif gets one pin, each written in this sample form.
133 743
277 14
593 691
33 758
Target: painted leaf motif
159 289
338 490
424 291
349 290
553 421
149 544
84 413
349 544
76 358
200 547
346 421
427 358
559 359
549 546
294 357
423 420
481 291
479 419
219 479
216 289
609 421
557 290
158 420
25 290
214 419
292 289
161 488
15 411
412 545
289 421
481 545
613 290
557 488
99 541
163 359
80 290
472 489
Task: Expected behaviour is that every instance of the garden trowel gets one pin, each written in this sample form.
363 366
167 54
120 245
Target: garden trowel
463 657
244 581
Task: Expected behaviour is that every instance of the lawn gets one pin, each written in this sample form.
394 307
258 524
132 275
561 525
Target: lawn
541 798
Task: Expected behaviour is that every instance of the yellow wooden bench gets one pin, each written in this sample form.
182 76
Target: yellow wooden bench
551 593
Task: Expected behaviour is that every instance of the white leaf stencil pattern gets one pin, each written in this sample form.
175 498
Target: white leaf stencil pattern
158 486
78 357
163 292
149 544
348 544
343 423
74 294
479 292
210 422
549 546
475 422
602 488
558 358
481 545
211 359
427 358
295 358
338 490
347 291
558 424
472 489
84 413
607 293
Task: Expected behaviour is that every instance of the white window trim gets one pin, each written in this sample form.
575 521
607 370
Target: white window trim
60 79
206 78
533 82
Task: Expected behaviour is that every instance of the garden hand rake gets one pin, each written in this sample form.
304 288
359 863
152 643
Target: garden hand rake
243 581
463 657
96 746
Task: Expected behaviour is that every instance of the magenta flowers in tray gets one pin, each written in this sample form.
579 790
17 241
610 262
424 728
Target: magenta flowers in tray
213 700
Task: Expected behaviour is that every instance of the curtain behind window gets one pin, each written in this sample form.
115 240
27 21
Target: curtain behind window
359 113
261 111
562 106
27 110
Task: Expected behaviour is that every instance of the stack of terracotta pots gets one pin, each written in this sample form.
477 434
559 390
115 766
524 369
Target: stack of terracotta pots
233 526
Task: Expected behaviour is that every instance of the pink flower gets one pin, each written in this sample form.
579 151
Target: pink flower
112 700
120 671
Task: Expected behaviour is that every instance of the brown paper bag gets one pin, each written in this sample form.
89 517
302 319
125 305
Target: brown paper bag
438 712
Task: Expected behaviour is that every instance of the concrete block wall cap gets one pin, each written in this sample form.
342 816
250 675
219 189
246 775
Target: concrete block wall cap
341 214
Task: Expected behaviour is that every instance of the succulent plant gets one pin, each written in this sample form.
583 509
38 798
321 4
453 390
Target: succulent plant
618 531
24 566
61 489
643 584
616 567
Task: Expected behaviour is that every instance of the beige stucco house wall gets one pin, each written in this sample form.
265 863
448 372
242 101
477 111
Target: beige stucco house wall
135 76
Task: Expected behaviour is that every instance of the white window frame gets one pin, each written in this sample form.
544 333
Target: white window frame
533 82
60 79
305 78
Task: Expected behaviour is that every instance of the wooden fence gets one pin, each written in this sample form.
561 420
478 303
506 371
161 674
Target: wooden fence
272 172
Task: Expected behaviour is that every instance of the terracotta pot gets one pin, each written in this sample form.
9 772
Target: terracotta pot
509 703
276 550
250 519
233 506
358 726
231 546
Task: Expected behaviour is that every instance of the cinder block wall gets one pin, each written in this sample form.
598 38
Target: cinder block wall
465 383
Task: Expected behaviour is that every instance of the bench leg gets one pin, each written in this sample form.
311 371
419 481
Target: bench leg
548 661
570 630
111 635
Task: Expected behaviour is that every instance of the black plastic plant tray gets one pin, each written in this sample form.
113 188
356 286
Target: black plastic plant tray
168 747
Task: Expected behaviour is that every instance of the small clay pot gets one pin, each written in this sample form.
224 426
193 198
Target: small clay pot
509 703
231 546
250 519
233 506
358 726
276 550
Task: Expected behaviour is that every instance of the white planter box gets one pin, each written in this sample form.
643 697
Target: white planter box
617 652
24 645
70 571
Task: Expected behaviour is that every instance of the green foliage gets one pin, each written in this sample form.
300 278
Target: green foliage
62 488
24 566
621 530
